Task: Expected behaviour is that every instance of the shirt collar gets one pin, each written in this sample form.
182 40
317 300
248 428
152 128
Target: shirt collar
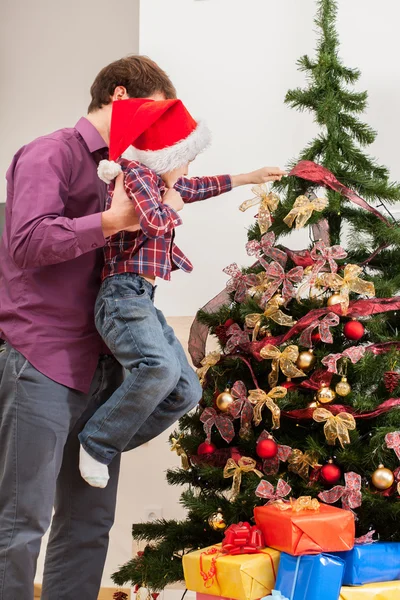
91 136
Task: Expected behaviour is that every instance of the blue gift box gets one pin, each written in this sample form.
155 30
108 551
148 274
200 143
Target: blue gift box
317 577
371 563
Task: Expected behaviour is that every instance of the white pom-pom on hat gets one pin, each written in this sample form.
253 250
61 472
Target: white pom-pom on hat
108 170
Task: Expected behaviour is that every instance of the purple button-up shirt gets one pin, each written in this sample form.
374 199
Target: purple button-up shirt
50 254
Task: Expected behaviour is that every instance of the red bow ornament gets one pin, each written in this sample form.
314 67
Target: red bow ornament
241 407
236 337
349 493
355 353
393 442
239 282
242 539
271 465
322 254
266 246
267 491
222 422
277 276
324 324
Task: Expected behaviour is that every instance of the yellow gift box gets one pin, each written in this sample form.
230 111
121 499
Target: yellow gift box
372 591
240 577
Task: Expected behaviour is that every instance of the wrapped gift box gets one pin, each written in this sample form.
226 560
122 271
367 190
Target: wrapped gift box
317 577
372 591
239 577
371 563
328 529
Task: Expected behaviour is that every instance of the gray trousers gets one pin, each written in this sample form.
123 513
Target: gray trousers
39 452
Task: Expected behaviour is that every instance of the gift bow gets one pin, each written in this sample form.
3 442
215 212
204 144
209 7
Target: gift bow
393 442
324 324
336 427
302 503
273 312
260 398
208 361
222 422
266 246
242 539
322 254
277 277
236 469
302 210
355 353
285 361
267 491
241 407
350 282
236 337
268 202
239 282
176 446
301 462
271 465
350 493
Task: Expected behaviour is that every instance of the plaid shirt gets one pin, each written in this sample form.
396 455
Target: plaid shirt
151 251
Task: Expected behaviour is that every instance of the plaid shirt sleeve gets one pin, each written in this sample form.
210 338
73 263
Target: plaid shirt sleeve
155 218
201 188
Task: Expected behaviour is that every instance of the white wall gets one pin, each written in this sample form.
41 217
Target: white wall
232 62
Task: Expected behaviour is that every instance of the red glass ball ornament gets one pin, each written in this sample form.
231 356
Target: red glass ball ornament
354 330
267 448
206 448
316 337
289 385
331 473
228 323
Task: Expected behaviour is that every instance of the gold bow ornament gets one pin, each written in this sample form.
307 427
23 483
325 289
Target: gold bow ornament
299 504
208 361
236 469
268 202
176 446
285 361
301 462
272 311
336 427
302 210
350 282
261 399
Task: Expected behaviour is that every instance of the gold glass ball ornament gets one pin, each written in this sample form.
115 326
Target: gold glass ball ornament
264 332
335 299
325 395
313 404
224 400
382 478
216 521
343 388
306 360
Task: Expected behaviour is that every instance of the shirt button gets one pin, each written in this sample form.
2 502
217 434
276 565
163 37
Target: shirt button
94 245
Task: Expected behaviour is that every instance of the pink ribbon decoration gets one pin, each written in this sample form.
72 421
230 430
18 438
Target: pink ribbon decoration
279 278
243 539
365 539
393 442
267 491
241 407
236 337
266 246
355 353
350 493
271 465
310 171
322 254
222 422
239 282
324 324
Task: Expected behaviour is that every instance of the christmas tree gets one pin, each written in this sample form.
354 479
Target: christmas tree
302 397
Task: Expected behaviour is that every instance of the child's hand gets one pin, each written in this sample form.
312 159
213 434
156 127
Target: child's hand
173 199
263 175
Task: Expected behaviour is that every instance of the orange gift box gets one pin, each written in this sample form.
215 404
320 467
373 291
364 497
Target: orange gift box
328 529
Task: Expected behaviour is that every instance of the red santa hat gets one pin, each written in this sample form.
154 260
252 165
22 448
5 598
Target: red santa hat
161 134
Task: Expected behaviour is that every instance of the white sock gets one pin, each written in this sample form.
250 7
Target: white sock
93 471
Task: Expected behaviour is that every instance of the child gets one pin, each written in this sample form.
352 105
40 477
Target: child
160 386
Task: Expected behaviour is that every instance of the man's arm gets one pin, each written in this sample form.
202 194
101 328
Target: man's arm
39 233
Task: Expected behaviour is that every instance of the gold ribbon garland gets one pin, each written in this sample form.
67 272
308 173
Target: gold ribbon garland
176 446
273 312
208 361
268 202
336 427
302 210
261 399
350 282
299 504
285 361
301 462
236 469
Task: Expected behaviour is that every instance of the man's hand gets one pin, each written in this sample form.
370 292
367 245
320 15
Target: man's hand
173 199
263 175
121 215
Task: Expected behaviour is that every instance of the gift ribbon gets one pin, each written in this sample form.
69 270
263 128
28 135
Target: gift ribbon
242 538
277 277
222 422
241 407
268 202
272 311
336 427
266 490
284 361
350 282
350 493
302 210
207 362
236 469
271 465
176 446
323 324
355 353
299 504
266 246
393 442
301 462
259 398
236 337
322 254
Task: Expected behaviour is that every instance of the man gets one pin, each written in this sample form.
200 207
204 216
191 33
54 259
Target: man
54 371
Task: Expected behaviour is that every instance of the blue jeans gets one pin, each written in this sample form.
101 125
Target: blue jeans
160 386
